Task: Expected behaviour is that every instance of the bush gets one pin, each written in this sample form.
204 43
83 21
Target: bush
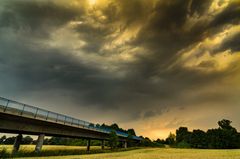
158 145
183 144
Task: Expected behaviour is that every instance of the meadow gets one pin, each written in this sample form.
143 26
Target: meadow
54 150
143 153
49 150
30 148
160 153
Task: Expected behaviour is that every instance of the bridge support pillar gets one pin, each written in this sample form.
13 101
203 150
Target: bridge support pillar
17 143
125 144
39 143
88 144
103 144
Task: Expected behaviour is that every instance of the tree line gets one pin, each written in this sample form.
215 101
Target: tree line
223 137
116 127
10 140
112 142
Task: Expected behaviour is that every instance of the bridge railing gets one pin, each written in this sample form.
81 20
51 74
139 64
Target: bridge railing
16 108
20 109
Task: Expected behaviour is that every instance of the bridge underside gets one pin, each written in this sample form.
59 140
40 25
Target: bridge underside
22 125
18 124
19 118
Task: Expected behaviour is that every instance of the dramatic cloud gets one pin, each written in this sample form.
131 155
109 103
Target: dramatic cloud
153 62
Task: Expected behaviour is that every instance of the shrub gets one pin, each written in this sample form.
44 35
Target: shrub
183 144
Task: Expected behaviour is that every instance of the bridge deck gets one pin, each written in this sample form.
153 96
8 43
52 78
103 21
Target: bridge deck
23 110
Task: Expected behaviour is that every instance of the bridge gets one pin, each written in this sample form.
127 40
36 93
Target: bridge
20 118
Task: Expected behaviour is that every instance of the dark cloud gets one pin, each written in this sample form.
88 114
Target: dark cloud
149 114
230 15
115 17
38 17
199 7
157 112
39 69
94 34
175 123
230 43
164 34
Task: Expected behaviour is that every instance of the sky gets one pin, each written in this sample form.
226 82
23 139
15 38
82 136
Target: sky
151 65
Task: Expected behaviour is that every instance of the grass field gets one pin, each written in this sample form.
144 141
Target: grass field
53 150
144 153
30 148
48 150
158 153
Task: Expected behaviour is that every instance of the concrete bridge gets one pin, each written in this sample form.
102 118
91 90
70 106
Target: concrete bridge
19 118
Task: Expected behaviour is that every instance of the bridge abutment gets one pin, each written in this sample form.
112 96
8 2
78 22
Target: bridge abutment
39 143
17 143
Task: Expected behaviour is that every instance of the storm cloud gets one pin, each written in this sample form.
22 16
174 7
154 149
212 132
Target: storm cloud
124 61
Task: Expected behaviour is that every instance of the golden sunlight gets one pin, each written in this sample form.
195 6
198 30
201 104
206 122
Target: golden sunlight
92 2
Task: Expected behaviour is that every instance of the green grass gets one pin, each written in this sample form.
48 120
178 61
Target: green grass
159 153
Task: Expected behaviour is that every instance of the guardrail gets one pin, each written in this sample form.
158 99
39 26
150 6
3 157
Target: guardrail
20 109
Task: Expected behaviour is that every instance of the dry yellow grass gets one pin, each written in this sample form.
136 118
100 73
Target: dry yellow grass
158 153
30 148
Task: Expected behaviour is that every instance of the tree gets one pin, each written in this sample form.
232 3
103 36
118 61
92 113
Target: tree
228 135
131 132
9 140
114 126
27 140
146 142
98 125
91 125
224 137
113 140
214 139
2 139
198 139
182 135
160 141
225 124
170 140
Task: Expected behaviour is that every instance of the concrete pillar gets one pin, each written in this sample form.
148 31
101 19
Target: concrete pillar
125 144
39 143
17 143
103 144
88 144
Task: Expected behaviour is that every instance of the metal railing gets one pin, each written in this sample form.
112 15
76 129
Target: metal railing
20 109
